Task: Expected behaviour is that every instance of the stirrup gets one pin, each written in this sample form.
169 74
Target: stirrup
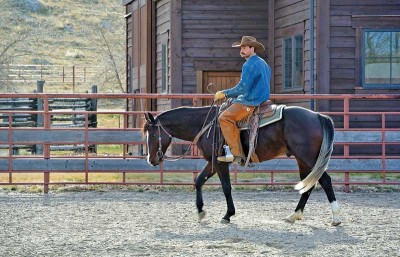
228 155
227 158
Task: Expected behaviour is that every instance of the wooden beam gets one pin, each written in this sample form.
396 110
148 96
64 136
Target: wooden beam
77 136
195 165
323 52
232 64
357 137
271 42
392 137
126 2
199 87
176 50
150 50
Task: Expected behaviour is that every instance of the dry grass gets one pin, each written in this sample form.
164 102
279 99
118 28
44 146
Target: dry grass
65 33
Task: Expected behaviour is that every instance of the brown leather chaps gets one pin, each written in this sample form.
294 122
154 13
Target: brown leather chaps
228 121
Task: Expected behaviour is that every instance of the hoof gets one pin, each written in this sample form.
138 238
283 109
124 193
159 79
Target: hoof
336 222
224 221
294 216
201 215
288 220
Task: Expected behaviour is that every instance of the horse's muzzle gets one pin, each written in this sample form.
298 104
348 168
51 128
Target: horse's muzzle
155 161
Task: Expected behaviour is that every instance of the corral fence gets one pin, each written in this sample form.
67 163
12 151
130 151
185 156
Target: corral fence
347 167
58 75
26 117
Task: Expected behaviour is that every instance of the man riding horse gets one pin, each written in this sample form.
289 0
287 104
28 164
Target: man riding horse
252 90
304 134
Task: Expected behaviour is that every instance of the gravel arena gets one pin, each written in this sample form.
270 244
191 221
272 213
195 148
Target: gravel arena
164 223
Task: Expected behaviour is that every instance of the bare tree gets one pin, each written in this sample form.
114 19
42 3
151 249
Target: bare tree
114 66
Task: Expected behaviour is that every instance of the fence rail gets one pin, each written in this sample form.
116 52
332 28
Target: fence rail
53 74
11 116
347 168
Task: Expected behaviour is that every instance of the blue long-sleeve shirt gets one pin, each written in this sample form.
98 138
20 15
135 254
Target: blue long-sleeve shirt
254 85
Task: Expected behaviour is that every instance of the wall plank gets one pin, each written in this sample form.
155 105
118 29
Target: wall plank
210 27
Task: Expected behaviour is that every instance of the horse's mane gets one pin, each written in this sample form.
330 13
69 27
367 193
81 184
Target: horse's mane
174 111
180 110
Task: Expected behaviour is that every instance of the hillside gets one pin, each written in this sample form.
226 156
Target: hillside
64 32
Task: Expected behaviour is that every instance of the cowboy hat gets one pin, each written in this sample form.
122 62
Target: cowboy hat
249 41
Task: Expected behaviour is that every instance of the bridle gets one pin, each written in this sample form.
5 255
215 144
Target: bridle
161 156
160 153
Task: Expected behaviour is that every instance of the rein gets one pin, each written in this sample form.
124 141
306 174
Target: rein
204 128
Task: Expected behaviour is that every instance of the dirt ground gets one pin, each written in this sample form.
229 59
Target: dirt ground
153 223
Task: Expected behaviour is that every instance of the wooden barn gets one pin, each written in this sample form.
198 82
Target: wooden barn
180 46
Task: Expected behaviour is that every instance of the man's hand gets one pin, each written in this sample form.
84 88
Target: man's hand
219 95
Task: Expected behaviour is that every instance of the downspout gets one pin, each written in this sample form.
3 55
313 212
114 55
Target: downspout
312 52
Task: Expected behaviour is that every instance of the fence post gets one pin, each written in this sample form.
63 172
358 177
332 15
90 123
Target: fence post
46 147
346 150
40 84
73 78
39 107
93 107
92 118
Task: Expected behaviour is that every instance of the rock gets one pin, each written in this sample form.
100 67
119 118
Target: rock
28 5
41 62
69 27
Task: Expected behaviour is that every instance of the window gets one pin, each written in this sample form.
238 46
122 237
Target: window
293 62
381 58
164 68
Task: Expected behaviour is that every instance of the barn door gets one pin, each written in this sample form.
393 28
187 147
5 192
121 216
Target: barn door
221 80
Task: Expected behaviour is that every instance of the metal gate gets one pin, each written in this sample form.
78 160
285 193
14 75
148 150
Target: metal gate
346 167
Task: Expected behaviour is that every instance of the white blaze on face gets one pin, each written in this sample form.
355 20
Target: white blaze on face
148 150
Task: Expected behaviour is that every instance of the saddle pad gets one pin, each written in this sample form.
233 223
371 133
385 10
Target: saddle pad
268 120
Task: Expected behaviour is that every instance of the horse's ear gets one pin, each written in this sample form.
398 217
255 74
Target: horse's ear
149 118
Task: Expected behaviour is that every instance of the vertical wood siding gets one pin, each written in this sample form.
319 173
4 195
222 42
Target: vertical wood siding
210 27
348 19
345 65
163 28
343 38
291 16
138 56
128 45
342 66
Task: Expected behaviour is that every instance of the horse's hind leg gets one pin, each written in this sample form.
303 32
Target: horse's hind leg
200 180
298 213
326 184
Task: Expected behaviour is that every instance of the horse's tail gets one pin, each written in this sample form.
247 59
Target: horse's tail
324 156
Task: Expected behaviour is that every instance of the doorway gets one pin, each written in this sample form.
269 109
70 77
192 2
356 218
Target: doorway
221 80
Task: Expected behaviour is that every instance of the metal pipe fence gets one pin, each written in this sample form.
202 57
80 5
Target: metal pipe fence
350 165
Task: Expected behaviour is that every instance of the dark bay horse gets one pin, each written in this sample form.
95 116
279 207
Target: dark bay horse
305 134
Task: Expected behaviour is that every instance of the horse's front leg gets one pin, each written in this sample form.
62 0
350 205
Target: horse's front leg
223 174
200 180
